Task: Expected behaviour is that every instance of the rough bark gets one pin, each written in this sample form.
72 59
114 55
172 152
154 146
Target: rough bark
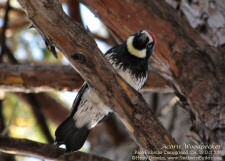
43 151
195 69
74 10
37 78
207 17
82 52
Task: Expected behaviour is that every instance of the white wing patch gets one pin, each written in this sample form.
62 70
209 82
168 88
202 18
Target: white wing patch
91 110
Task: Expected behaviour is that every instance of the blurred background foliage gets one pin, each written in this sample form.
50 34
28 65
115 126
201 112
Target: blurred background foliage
28 46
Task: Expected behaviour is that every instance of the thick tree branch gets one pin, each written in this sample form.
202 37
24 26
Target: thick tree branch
82 52
36 78
195 69
74 10
42 151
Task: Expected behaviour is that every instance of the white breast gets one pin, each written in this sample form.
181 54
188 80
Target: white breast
136 83
90 110
131 80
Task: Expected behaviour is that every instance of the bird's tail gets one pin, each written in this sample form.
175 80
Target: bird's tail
73 138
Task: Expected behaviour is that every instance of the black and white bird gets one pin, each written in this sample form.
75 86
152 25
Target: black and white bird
130 59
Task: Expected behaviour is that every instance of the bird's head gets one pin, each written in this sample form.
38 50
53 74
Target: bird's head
141 44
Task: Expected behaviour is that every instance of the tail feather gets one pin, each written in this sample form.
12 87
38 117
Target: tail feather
64 128
76 138
67 133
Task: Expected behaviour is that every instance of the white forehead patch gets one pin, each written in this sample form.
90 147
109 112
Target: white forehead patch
133 50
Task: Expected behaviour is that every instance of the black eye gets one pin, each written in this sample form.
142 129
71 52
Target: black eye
150 45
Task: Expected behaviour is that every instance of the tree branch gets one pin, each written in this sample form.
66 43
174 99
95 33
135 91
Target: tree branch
36 78
42 151
74 10
82 52
29 78
195 69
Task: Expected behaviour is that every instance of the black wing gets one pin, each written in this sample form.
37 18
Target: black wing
67 133
77 100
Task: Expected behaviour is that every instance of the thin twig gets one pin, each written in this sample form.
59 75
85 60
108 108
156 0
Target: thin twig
41 119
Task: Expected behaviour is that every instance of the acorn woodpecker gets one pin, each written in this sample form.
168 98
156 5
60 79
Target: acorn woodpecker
130 59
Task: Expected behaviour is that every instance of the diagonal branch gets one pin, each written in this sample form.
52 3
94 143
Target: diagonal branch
82 52
195 69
